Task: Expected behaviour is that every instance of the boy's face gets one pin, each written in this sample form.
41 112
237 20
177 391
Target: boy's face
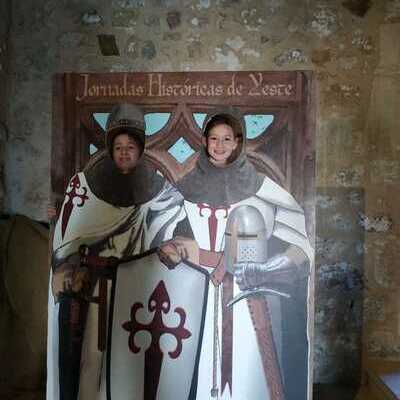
220 142
125 152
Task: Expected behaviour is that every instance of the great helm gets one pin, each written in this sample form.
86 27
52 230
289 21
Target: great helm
125 118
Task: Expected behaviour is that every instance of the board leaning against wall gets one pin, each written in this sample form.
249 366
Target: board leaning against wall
213 336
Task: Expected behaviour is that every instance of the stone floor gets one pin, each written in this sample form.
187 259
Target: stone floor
334 392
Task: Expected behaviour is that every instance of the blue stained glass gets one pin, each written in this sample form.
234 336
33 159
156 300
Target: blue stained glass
199 118
101 119
92 149
181 150
256 124
155 122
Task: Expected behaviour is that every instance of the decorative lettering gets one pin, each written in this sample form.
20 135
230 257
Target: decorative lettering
235 84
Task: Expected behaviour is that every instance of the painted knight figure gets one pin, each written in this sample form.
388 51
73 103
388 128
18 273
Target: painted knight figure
117 207
256 334
220 308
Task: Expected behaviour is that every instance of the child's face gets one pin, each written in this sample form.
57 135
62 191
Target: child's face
220 142
126 152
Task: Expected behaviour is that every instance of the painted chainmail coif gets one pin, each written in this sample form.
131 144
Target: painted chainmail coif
217 186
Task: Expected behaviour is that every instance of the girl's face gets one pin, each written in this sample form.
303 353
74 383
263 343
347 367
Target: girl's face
220 143
126 152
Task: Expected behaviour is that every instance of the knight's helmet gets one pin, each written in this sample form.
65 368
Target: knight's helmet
125 118
246 235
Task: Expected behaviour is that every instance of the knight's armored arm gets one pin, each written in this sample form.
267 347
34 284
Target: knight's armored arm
282 269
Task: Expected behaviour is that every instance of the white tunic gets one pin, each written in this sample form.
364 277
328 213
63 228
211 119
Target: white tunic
86 219
285 220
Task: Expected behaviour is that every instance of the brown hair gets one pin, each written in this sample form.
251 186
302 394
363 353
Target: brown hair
226 119
131 135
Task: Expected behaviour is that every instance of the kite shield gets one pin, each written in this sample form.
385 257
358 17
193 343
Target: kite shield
156 326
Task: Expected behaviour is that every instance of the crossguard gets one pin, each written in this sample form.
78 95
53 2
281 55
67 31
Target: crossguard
256 292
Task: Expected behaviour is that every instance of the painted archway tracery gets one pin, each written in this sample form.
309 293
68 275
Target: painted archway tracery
281 150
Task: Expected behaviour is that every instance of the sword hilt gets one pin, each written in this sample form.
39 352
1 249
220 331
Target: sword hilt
256 292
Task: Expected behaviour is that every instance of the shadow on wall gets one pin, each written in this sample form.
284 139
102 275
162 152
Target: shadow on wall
23 308
339 286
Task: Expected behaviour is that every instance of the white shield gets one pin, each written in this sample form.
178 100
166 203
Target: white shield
157 317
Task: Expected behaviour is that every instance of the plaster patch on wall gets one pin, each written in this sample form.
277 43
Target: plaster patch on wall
275 5
349 90
383 344
148 50
374 309
128 3
387 171
362 42
235 43
124 18
226 58
200 21
385 254
202 4
251 20
91 17
173 36
152 21
195 47
324 21
325 201
118 67
355 198
131 47
341 223
329 248
349 177
381 223
251 53
347 63
290 56
296 25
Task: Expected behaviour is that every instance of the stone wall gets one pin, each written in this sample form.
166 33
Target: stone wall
352 45
5 26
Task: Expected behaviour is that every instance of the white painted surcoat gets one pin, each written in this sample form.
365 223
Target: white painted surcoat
119 231
285 220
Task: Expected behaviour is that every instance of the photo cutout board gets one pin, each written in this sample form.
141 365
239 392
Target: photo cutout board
189 271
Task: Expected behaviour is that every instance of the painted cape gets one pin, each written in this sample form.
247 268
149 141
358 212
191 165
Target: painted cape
207 212
139 213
